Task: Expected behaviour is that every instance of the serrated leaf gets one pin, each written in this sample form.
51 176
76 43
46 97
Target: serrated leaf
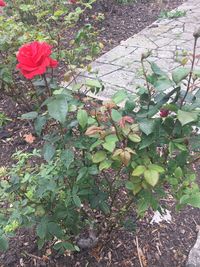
156 168
99 156
178 172
110 146
55 229
82 118
48 151
151 177
193 200
30 115
3 243
186 117
116 116
104 165
93 83
119 97
58 108
179 74
147 126
39 124
129 185
162 84
67 157
139 170
156 69
77 201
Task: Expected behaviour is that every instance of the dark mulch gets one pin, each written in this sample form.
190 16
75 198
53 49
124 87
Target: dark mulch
122 21
164 245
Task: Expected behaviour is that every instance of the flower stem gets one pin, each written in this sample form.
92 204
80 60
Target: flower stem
46 84
191 71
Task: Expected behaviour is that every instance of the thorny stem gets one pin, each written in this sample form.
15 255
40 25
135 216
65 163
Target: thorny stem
146 79
191 71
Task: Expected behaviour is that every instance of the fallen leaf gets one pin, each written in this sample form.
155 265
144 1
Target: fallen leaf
29 138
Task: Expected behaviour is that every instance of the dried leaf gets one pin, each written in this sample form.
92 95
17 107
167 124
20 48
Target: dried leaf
29 138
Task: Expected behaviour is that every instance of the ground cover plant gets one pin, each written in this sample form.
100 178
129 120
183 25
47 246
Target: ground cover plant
104 160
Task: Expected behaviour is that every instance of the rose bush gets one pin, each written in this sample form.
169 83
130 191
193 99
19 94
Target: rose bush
34 59
101 164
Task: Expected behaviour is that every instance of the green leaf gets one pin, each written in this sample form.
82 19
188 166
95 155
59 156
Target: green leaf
147 126
111 138
157 168
82 172
156 69
134 138
116 116
151 177
93 83
48 151
77 201
119 97
193 200
104 165
39 124
41 229
67 157
99 156
58 108
3 243
162 84
139 170
82 118
55 229
64 245
30 115
129 185
109 146
97 143
186 117
179 74
178 172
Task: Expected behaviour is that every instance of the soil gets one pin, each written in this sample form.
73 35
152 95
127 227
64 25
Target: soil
124 20
156 245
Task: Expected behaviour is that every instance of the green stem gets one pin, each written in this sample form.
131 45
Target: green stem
191 71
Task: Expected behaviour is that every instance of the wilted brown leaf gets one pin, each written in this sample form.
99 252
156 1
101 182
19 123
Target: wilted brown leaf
29 138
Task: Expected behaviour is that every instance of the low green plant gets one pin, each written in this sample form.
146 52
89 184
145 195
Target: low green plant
172 14
3 119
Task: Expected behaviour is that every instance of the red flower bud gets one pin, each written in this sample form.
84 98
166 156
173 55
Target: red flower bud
164 113
72 1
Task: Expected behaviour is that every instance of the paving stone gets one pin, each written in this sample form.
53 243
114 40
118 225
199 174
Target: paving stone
116 53
101 69
139 41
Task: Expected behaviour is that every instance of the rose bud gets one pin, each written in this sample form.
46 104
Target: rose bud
164 113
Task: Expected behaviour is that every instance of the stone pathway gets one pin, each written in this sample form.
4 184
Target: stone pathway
168 39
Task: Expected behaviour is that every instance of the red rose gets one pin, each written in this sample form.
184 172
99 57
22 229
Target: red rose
73 1
164 113
34 59
2 3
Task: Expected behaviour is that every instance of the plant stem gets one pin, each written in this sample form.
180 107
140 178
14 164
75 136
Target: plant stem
191 71
46 84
